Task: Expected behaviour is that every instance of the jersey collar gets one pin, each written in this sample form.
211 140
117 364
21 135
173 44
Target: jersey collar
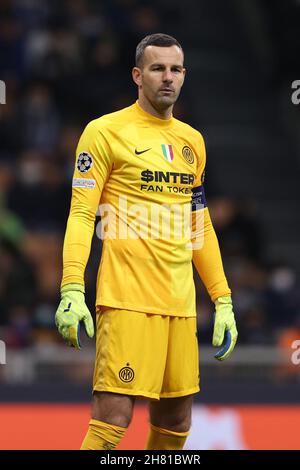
153 120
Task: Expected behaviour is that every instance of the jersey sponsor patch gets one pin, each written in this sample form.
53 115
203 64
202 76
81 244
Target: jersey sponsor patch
83 183
198 198
84 162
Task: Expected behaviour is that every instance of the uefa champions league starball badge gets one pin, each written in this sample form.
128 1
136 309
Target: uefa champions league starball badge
84 162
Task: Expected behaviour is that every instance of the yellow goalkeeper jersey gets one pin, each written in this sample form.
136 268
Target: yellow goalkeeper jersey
142 171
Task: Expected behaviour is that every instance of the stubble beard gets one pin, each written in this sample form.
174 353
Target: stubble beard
162 102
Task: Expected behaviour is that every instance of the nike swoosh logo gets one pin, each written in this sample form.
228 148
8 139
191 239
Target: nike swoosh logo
142 151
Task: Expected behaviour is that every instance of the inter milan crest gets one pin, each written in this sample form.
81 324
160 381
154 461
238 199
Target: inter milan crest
188 154
126 374
84 162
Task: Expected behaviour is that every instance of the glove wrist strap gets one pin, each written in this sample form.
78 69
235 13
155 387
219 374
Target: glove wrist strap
72 287
223 300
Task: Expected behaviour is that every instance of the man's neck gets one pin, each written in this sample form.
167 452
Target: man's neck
147 106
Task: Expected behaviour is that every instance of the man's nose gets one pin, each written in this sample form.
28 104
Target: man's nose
167 76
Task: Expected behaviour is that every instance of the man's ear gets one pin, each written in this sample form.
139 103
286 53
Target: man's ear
137 76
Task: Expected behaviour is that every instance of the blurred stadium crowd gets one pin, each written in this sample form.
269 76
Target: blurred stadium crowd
65 63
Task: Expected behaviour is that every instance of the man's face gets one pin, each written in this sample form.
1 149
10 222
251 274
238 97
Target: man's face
162 75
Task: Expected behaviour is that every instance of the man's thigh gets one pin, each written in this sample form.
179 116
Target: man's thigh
181 377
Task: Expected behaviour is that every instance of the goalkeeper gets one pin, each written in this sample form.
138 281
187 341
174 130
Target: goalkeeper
133 163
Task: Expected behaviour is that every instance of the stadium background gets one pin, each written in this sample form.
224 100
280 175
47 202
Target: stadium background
67 62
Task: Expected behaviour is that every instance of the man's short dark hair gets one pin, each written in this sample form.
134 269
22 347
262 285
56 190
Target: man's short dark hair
158 39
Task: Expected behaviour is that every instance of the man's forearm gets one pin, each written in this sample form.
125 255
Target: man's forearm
77 243
207 259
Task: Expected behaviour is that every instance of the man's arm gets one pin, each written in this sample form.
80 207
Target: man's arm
92 169
79 233
208 262
207 258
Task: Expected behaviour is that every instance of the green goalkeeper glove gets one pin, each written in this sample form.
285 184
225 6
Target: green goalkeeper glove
224 328
71 310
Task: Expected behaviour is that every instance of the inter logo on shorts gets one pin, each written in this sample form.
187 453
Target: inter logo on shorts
126 374
167 152
188 154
